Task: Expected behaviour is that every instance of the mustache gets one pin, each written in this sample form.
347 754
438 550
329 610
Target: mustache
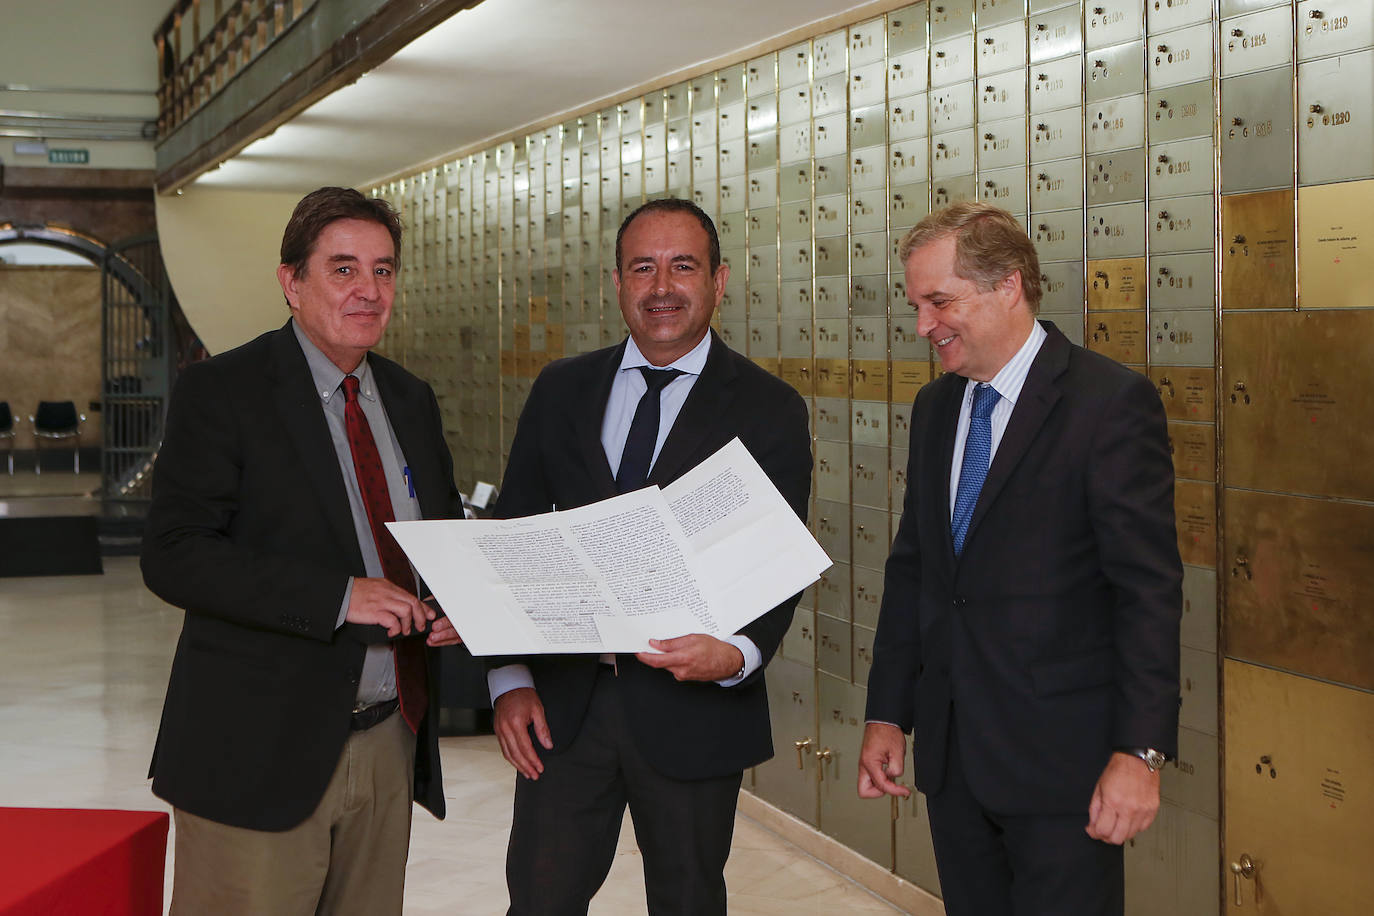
653 301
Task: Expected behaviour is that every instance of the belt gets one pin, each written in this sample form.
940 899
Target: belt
368 716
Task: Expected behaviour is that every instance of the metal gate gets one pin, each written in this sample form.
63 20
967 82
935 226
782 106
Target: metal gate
137 361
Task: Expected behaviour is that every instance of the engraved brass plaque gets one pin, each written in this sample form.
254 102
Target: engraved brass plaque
1194 447
799 373
1298 415
1258 261
907 378
1122 336
1188 393
1298 590
1336 244
1195 514
1299 760
832 378
1116 283
870 380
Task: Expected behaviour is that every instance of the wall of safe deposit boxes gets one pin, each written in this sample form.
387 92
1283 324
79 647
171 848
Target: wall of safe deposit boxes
1181 168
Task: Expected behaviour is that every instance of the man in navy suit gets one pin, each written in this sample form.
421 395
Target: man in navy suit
671 733
1028 635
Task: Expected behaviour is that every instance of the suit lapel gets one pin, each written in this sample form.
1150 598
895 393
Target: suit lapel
947 422
700 414
587 415
293 394
1038 397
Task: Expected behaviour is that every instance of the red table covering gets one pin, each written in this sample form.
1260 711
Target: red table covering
57 861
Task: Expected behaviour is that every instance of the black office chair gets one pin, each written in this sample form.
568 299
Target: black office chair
57 422
7 432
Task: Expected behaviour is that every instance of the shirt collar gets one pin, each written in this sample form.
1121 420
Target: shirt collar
1011 378
326 376
691 363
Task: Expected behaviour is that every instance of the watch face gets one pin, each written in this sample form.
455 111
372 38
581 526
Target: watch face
1154 759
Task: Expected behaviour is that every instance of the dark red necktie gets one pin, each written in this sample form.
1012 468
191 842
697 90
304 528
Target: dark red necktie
409 653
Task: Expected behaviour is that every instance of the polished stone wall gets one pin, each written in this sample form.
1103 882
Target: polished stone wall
50 343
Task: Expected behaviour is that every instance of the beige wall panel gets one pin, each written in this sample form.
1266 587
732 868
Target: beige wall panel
1188 393
1296 402
1195 511
1336 245
50 340
1298 589
1299 768
221 249
1258 258
1116 283
1121 336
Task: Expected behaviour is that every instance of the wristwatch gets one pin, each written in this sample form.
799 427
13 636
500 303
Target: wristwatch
1154 759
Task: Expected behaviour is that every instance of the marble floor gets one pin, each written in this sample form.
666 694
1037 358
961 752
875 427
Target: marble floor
83 666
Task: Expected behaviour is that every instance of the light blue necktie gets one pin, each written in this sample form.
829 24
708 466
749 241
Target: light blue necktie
977 455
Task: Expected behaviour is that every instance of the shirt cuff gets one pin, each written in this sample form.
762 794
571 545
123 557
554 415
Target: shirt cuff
343 608
507 678
753 659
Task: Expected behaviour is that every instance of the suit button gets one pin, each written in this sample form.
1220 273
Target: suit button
961 602
353 677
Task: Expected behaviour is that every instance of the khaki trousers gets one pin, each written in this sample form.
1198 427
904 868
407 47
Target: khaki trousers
348 857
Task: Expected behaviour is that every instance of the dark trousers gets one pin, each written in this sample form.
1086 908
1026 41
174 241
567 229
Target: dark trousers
567 822
1019 865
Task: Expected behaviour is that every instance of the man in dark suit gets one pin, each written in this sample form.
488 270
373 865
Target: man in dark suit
282 748
1029 624
669 733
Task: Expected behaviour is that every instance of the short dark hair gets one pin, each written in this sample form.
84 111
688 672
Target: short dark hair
674 205
328 205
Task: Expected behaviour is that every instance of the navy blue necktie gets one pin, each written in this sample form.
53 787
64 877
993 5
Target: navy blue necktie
643 436
977 455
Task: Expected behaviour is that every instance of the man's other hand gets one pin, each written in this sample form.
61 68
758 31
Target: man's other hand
443 634
697 657
881 760
516 710
378 601
1125 800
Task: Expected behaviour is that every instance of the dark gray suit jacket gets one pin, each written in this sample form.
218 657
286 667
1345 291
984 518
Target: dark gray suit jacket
250 532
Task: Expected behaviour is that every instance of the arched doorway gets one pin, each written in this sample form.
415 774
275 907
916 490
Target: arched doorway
142 333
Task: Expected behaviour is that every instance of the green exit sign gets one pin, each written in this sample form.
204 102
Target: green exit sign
69 156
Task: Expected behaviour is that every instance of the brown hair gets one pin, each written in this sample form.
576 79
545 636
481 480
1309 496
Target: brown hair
989 244
674 205
327 205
